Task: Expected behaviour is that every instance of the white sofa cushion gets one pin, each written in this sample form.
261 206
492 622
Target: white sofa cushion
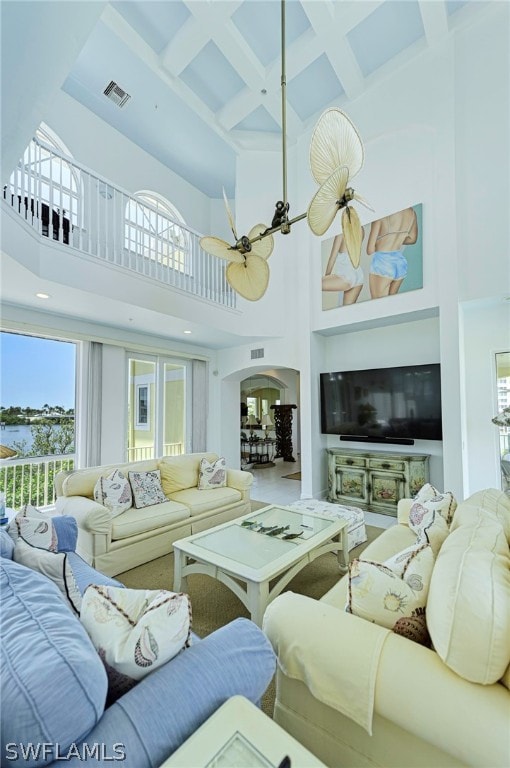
468 609
134 521
199 502
181 472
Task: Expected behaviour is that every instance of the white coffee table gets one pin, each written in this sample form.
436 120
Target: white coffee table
239 735
247 560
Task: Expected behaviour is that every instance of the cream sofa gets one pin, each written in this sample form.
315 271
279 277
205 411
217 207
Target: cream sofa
114 545
426 709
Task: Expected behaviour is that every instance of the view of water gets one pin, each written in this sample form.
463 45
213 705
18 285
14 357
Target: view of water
15 434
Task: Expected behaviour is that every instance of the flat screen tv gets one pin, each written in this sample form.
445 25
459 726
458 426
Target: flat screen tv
383 404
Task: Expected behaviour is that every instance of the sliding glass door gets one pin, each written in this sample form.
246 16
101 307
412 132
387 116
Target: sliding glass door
159 413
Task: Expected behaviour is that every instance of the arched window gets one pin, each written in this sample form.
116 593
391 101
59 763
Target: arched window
154 228
49 180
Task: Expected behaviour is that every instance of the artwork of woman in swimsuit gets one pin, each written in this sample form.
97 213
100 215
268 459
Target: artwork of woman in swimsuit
340 276
391 261
386 242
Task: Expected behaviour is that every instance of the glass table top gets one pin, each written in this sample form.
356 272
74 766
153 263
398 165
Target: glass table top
259 538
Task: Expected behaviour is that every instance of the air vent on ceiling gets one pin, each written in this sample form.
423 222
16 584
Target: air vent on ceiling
257 353
115 93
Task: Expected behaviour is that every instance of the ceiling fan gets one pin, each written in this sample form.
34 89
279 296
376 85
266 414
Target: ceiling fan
336 156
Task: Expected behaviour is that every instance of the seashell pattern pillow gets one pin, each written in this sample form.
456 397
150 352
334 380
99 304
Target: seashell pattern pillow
136 630
394 594
146 487
114 492
44 530
212 474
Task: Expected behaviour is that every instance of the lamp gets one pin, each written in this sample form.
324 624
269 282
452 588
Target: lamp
336 156
252 422
266 422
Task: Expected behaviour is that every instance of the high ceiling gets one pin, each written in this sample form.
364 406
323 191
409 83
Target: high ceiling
204 76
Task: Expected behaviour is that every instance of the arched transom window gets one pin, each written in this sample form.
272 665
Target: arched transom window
44 174
154 229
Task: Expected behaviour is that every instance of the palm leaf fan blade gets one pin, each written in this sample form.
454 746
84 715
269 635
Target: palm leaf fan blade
264 247
249 280
220 248
229 215
325 203
353 235
335 141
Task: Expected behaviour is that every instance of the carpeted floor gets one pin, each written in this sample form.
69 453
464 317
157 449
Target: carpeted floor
214 605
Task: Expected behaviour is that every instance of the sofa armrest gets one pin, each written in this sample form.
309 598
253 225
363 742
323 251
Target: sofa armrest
156 716
333 652
413 688
90 515
239 479
403 509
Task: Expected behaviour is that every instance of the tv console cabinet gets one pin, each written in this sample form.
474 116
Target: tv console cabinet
375 480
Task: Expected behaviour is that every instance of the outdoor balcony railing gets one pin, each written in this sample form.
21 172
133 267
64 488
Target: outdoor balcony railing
66 202
31 480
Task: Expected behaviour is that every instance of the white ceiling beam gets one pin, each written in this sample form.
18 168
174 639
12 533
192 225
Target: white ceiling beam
331 39
435 21
117 23
183 48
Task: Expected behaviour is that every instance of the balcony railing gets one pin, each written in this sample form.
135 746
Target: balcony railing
31 480
63 200
147 451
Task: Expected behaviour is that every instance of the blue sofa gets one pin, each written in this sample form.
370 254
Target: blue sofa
54 685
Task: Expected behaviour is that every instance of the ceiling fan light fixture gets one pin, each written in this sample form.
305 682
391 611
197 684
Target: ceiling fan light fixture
249 279
335 141
325 203
336 156
353 234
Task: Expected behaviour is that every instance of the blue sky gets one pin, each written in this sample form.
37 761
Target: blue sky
36 371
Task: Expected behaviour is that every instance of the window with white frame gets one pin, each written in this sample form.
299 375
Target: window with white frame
143 406
44 175
155 229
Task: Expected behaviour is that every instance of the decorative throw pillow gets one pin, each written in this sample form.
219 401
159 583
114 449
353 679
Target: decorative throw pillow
212 474
146 487
44 530
444 503
114 492
428 524
381 595
55 566
136 630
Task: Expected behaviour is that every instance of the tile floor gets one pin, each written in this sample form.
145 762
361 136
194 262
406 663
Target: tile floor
270 485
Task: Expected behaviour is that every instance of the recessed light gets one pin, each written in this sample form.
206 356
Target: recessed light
43 295
187 331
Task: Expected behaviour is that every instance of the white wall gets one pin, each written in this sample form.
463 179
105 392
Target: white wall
486 332
105 151
482 119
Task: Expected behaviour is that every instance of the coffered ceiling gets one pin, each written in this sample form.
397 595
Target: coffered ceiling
203 76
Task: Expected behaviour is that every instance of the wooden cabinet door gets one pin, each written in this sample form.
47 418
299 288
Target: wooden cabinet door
350 484
385 490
